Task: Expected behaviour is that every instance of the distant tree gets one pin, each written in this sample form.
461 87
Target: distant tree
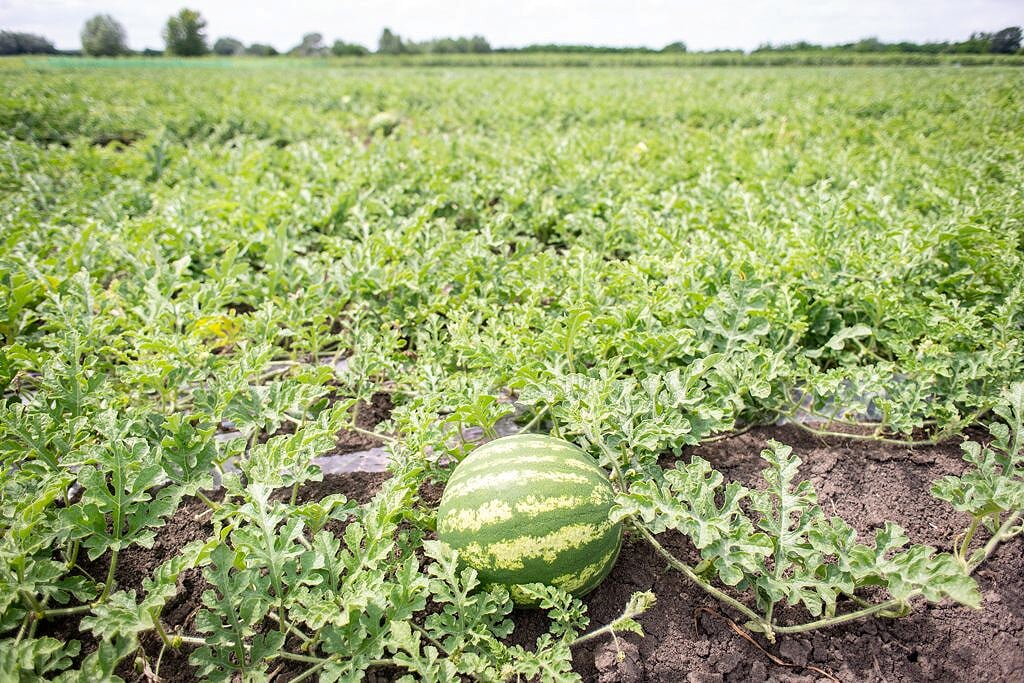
312 44
479 45
104 36
678 46
390 43
150 52
800 46
261 50
184 34
869 45
228 46
1006 41
17 43
341 48
978 43
439 46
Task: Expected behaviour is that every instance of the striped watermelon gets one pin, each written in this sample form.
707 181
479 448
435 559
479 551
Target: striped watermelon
531 509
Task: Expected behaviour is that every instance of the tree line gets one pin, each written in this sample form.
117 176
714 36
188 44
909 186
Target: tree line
1006 41
184 35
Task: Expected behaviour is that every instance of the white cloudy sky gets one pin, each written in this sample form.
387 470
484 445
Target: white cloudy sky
701 24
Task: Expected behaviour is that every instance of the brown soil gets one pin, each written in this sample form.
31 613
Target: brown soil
191 521
368 416
866 483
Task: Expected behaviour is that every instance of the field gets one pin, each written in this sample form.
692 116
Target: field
253 316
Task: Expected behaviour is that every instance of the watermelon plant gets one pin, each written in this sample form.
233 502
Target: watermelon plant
200 322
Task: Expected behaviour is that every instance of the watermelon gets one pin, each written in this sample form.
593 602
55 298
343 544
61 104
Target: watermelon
531 509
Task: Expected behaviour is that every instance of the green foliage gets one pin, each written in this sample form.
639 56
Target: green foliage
787 551
184 34
340 48
119 486
228 46
197 288
34 658
994 484
104 36
234 608
991 490
22 43
470 621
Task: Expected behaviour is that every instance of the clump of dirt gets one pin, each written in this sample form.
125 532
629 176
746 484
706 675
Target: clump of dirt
357 486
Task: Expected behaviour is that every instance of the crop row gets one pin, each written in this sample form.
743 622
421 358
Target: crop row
641 260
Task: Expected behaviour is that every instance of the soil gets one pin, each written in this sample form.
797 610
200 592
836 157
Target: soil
864 482
368 416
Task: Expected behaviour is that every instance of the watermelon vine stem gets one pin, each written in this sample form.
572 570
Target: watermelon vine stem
533 420
1003 533
681 566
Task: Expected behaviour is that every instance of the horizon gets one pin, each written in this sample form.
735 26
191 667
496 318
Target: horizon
639 24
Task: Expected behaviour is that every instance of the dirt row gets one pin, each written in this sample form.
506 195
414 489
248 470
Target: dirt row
866 483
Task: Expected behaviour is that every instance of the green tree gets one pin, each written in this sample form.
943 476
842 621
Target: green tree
678 46
390 43
312 44
16 43
1006 41
978 43
228 46
479 45
184 34
341 48
104 36
261 50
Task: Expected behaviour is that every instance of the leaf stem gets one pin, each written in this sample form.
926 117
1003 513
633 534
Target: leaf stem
433 641
73 555
321 663
109 583
619 482
31 601
207 502
313 670
607 628
292 629
968 537
1001 534
301 658
871 437
177 640
537 417
160 632
714 592
24 624
373 435
159 659
849 616
64 611
730 434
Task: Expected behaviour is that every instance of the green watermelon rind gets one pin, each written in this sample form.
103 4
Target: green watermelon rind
531 509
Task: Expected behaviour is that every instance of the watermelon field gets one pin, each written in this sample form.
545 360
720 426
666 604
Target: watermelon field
730 362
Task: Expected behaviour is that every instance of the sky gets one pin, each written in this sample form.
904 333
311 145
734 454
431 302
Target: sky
701 24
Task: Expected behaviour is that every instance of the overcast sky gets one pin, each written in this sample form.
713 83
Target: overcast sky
702 24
